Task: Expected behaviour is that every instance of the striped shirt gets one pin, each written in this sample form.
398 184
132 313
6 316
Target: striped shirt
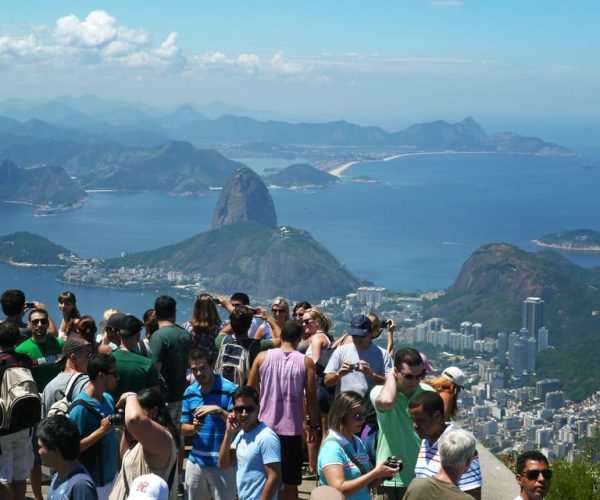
428 465
207 440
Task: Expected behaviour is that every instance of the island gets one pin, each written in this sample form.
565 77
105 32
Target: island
580 240
25 249
301 175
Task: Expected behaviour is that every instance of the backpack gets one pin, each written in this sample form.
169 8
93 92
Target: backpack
233 361
323 360
20 401
61 406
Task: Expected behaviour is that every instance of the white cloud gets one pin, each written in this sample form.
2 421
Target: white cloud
97 30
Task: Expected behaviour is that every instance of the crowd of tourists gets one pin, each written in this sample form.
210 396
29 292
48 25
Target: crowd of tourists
264 401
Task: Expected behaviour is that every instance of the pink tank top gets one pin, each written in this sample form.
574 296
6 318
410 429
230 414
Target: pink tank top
282 377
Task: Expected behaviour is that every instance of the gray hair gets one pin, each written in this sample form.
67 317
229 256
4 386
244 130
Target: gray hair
456 447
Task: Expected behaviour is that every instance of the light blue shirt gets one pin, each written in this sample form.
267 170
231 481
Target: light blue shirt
253 450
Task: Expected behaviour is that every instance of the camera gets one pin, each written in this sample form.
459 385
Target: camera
199 419
29 305
394 463
118 419
354 367
256 310
217 301
385 323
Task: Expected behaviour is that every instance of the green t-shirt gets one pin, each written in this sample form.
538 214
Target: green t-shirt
431 487
136 372
43 357
397 437
171 346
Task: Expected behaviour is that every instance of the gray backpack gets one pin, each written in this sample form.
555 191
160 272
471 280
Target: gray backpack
61 406
20 402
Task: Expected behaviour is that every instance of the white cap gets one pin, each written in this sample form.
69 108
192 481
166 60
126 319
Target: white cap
149 487
456 375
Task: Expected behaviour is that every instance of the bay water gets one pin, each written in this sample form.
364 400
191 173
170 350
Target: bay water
410 232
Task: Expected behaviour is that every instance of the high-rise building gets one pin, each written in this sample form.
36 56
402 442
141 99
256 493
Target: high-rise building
502 341
533 315
531 350
513 338
543 387
519 358
478 331
542 338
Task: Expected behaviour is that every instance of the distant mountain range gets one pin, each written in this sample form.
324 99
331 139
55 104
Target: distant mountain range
495 280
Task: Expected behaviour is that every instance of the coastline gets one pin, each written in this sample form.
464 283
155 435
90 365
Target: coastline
338 171
558 246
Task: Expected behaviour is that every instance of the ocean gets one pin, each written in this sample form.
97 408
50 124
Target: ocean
410 232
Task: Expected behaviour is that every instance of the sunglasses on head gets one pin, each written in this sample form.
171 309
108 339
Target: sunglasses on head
243 408
533 474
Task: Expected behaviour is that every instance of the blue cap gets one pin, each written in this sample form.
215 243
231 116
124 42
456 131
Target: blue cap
360 326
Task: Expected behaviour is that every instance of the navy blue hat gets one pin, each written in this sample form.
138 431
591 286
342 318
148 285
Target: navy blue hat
360 326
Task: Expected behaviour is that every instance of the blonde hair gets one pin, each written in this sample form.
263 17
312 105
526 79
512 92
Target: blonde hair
324 322
341 408
375 322
442 384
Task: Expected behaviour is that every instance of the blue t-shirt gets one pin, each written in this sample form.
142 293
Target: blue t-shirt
253 450
332 453
207 441
76 486
101 459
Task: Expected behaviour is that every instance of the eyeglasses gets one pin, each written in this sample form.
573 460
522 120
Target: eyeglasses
533 474
41 321
410 376
277 311
360 415
308 321
244 408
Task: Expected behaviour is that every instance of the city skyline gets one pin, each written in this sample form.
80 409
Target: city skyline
381 64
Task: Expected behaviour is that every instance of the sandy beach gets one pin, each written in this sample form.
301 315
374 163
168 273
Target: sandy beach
338 171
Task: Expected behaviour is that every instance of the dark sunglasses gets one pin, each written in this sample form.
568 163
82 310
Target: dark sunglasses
40 321
308 321
244 408
410 376
277 311
533 474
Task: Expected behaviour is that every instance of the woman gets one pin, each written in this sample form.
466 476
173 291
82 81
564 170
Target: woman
343 461
448 385
377 327
108 341
149 442
298 314
316 332
86 328
205 322
280 310
67 304
150 325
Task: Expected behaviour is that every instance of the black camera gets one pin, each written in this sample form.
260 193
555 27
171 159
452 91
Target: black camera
217 301
394 463
354 367
29 305
385 323
118 419
199 419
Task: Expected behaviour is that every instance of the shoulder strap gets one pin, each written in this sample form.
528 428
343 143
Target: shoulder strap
87 406
352 457
143 348
76 377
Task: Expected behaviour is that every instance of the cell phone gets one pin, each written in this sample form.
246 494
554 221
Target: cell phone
216 301
29 305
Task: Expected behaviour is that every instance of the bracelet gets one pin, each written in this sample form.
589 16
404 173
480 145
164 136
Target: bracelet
127 394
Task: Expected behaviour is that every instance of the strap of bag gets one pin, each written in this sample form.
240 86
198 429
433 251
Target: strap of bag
348 450
89 407
76 377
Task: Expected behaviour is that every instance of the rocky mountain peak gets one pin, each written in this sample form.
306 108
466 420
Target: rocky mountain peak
244 198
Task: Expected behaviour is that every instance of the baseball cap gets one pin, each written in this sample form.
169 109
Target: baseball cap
129 325
115 320
73 343
360 326
148 487
456 375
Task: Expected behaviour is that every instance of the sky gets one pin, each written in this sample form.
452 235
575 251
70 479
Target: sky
388 63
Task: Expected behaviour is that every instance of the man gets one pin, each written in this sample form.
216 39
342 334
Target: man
284 376
14 307
74 359
427 412
170 346
238 299
90 411
58 440
533 475
43 350
206 406
253 446
240 320
457 448
359 365
396 435
136 372
16 455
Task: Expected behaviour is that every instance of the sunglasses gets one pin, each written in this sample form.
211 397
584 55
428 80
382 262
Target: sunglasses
238 410
360 415
308 321
533 474
278 311
39 321
410 376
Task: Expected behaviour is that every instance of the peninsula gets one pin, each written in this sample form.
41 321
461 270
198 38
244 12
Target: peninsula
579 240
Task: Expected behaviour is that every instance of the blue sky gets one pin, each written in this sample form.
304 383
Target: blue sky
379 62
